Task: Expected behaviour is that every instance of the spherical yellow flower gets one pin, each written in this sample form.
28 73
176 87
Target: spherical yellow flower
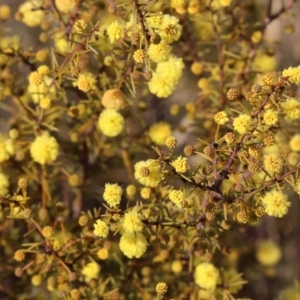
130 190
139 56
66 6
271 117
114 99
133 244
180 164
225 3
115 31
268 253
148 172
6 148
145 192
160 52
32 15
176 196
36 280
295 142
44 149
291 108
155 21
101 229
206 276
256 36
132 222
38 92
111 122
293 73
102 254
273 163
276 203
4 12
161 86
197 68
159 132
176 266
85 82
171 69
4 184
112 194
221 118
91 271
242 124
170 30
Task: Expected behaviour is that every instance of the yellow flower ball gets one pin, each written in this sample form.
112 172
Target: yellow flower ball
206 276
44 149
133 244
170 30
271 117
102 254
148 172
176 196
132 222
90 271
6 148
295 142
293 74
273 163
66 6
111 122
32 16
101 229
36 280
161 86
291 108
180 164
115 31
268 253
112 194
114 99
160 52
225 3
176 266
4 184
159 132
221 118
242 124
145 192
276 203
4 12
85 82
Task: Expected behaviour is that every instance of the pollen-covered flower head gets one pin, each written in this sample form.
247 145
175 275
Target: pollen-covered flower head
170 29
132 221
85 82
295 142
44 149
176 196
161 86
159 132
90 271
206 276
32 14
276 203
101 229
4 184
221 117
242 124
268 253
6 148
171 69
293 73
133 244
160 52
291 108
148 172
273 163
111 122
114 99
112 194
271 117
180 164
66 6
115 31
